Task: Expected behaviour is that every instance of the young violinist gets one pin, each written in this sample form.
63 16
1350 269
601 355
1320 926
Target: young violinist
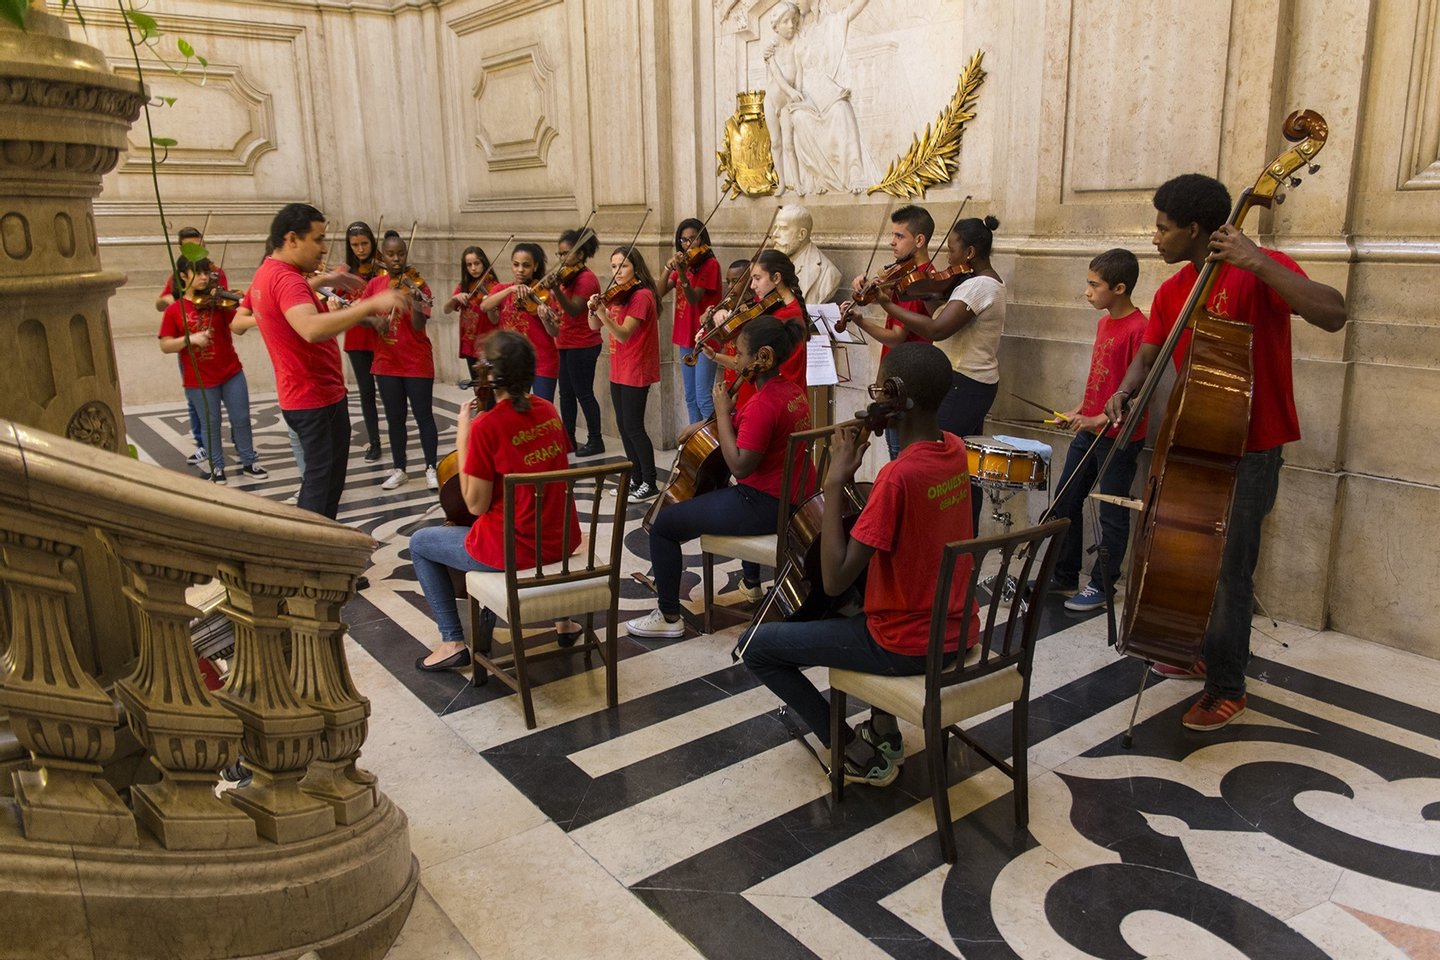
209 367
1262 288
696 281
627 311
737 277
898 540
162 303
776 292
476 280
578 342
911 228
299 330
753 442
521 433
362 258
522 312
405 364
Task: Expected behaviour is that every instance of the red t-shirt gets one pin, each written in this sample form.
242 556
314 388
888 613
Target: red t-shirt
706 280
635 362
914 306
360 338
402 351
920 502
505 441
777 410
1240 295
217 360
794 367
1116 343
575 327
475 324
307 375
170 283
512 317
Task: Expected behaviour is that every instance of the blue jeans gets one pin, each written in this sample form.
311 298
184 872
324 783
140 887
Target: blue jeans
544 388
737 510
196 430
296 450
892 441
777 652
235 395
1227 641
1114 519
434 552
698 380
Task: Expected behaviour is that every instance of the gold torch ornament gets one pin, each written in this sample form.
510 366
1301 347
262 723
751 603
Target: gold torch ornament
746 164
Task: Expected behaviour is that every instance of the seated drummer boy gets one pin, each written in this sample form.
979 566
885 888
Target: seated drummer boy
919 503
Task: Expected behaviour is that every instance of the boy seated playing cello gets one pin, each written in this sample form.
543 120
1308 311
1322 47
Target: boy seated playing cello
919 503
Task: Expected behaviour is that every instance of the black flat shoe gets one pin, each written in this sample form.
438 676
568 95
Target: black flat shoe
453 662
567 638
591 448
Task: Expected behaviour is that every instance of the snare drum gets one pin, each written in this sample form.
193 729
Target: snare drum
995 463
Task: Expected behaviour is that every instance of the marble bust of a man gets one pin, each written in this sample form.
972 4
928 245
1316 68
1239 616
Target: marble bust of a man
818 275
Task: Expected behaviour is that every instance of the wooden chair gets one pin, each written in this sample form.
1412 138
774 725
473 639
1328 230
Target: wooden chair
995 672
582 583
768 549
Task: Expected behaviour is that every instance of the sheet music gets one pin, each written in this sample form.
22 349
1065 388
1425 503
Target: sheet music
820 362
825 316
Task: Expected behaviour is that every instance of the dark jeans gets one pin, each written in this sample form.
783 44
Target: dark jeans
419 391
1114 519
544 388
962 413
324 434
577 386
892 441
738 510
360 361
777 652
1227 641
629 403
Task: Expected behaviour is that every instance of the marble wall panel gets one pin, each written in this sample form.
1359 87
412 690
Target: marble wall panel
1387 418
1292 577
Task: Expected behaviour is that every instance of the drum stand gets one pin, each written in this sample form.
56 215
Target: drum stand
998 497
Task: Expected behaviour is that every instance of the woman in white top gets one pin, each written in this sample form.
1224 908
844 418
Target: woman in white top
968 329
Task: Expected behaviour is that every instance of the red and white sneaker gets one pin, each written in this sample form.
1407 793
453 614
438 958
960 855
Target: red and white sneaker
1195 671
1211 712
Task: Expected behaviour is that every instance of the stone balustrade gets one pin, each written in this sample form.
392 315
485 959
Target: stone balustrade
116 835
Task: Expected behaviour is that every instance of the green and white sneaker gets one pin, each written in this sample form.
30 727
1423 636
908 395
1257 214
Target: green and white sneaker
877 770
892 749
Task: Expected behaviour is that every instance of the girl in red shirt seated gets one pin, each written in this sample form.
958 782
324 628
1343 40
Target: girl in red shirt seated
772 277
630 319
475 324
210 368
899 537
753 442
404 367
519 311
362 257
520 434
578 343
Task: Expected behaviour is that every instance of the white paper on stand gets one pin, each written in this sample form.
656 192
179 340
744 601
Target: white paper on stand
825 316
820 362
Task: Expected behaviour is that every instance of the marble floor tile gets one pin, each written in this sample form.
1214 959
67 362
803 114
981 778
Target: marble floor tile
824 934
429 934
540 895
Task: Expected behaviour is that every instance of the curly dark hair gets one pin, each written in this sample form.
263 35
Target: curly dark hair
293 218
586 249
512 365
978 233
1194 198
924 370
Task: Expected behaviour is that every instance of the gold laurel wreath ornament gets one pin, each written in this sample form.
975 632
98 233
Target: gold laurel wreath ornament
935 154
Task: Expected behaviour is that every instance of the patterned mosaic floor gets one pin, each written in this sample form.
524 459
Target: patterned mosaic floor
689 822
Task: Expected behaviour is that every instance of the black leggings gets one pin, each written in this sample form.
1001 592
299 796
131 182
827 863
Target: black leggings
629 403
577 385
963 413
360 361
394 391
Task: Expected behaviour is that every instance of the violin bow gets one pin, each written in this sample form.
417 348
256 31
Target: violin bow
954 223
490 270
379 227
764 239
410 244
879 234
628 250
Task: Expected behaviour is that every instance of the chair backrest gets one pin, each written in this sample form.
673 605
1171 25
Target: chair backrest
1007 638
587 564
807 460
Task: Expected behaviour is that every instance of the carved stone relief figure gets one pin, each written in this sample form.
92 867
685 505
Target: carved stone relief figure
818 275
820 148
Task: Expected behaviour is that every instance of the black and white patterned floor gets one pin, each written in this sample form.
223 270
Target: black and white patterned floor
689 822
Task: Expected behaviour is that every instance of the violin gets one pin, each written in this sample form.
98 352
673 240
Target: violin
447 471
216 297
900 273
716 334
410 279
620 292
688 258
934 285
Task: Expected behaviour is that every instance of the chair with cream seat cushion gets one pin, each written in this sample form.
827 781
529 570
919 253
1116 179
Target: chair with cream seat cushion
994 673
583 583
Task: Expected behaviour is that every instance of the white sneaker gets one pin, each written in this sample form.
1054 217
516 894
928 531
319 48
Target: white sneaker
293 500
431 480
396 478
750 593
655 625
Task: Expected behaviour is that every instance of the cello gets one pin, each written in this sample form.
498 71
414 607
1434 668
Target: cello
1186 502
452 500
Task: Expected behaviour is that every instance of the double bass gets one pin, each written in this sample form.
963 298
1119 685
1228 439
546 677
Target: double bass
452 499
1184 519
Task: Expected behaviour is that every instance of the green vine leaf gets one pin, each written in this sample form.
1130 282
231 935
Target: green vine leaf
168 101
14 11
193 251
186 50
166 142
143 22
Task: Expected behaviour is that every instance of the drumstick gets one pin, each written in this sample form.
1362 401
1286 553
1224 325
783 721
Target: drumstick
1040 406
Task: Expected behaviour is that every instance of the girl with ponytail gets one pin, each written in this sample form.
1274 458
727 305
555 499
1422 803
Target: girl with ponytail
753 441
773 275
